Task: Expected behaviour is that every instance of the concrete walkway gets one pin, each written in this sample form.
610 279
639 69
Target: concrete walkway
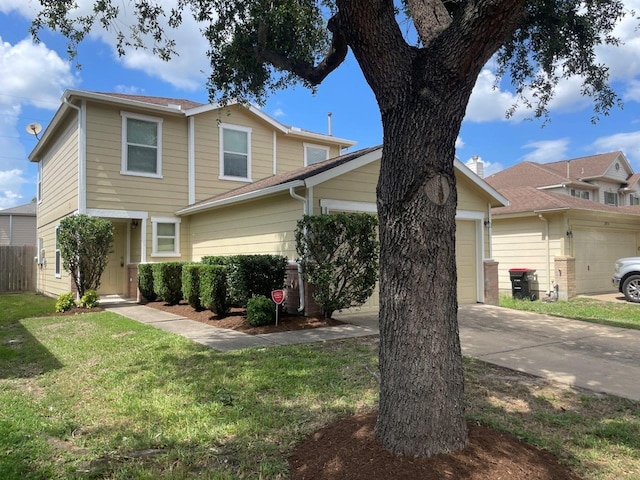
597 357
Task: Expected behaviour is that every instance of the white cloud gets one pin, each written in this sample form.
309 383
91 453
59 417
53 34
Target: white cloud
10 181
33 76
26 8
546 151
488 168
278 113
628 142
459 142
129 89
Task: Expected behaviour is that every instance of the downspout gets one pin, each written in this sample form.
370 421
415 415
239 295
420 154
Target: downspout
305 208
82 198
546 223
489 227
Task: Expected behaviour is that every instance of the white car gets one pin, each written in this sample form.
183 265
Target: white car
626 278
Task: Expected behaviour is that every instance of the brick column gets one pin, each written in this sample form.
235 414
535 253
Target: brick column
565 277
491 290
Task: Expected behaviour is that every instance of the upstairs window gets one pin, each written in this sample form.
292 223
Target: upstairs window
235 152
611 198
166 237
634 200
580 193
315 154
141 145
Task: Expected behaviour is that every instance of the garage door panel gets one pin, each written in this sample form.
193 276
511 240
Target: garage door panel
596 251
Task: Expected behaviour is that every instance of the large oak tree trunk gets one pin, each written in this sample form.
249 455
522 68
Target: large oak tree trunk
422 94
421 410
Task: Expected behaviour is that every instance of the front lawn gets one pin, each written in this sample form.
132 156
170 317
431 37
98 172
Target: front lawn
14 306
100 396
617 314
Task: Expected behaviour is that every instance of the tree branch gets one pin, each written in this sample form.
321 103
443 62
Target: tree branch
314 74
430 18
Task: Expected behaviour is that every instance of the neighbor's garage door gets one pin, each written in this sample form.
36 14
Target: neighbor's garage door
595 252
466 261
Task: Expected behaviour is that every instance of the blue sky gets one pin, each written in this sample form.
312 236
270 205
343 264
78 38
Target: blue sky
33 77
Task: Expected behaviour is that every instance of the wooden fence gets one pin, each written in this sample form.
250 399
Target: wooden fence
17 269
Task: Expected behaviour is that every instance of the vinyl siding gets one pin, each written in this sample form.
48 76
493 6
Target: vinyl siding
359 185
60 176
207 147
108 189
522 243
47 281
17 230
265 226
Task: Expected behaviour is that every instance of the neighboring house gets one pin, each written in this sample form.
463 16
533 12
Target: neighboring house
18 225
568 220
180 180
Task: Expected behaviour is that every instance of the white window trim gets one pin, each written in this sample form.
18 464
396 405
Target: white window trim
57 263
313 145
239 128
123 168
154 229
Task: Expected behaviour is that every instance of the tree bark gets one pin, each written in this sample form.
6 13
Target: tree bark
422 94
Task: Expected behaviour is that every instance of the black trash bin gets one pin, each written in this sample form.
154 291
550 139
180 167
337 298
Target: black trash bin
521 283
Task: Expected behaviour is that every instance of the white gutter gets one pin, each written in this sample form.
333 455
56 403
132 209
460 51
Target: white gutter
82 156
305 208
546 223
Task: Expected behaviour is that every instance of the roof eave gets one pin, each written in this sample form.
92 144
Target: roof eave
240 198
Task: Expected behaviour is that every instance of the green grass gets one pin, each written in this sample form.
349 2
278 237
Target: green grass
617 314
100 396
15 306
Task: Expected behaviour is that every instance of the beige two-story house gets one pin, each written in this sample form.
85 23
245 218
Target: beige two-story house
180 180
568 220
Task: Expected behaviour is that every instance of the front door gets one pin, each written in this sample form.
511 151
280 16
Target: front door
112 281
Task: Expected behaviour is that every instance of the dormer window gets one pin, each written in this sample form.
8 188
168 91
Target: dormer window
580 193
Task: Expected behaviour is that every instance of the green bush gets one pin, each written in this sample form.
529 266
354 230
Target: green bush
251 275
214 260
65 302
339 256
261 311
145 281
89 299
167 281
213 289
191 285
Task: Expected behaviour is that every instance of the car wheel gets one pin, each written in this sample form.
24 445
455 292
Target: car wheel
631 288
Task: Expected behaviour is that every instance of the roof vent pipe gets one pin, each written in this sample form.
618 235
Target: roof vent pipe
330 126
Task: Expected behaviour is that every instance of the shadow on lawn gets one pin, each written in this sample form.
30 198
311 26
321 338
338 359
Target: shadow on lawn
21 354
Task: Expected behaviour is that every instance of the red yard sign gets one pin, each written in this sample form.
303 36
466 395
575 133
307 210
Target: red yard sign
277 296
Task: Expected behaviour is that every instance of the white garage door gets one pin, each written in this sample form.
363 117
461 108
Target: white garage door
466 261
596 251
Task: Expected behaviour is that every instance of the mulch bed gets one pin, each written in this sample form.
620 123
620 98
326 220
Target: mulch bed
348 450
237 320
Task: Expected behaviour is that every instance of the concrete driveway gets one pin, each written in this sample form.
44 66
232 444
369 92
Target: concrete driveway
597 357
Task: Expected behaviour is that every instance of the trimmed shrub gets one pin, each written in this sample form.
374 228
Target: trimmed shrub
261 311
191 285
213 289
339 256
251 275
65 302
167 281
89 299
145 281
214 260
